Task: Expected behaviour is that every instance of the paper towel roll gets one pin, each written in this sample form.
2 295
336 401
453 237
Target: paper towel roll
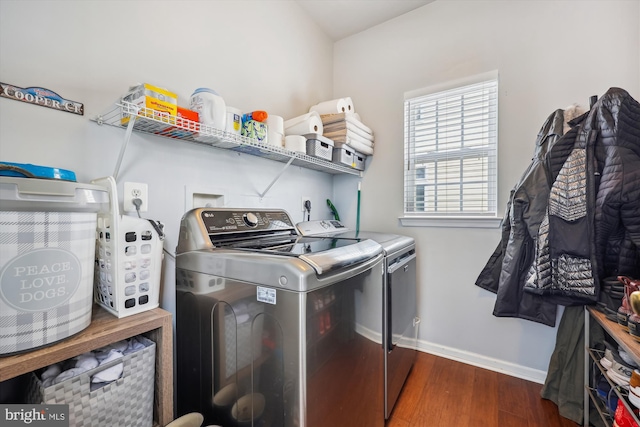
295 143
275 123
340 105
307 123
350 107
275 138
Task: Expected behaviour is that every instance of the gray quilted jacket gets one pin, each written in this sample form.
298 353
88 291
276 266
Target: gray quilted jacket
574 217
591 228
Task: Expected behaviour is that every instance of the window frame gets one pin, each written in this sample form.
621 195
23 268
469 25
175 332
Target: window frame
457 219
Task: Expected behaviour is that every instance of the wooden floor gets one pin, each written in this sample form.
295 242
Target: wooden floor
441 392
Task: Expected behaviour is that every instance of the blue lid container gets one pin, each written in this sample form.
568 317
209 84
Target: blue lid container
27 170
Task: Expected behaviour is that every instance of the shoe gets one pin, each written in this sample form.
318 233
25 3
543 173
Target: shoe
625 309
627 359
620 373
607 360
633 325
634 388
623 418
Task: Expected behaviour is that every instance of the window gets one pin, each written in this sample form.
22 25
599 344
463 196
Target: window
451 151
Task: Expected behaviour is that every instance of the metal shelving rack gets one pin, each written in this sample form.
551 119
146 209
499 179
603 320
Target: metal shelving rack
140 119
592 358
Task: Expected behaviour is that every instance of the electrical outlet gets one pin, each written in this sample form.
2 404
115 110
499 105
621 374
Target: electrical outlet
135 190
304 201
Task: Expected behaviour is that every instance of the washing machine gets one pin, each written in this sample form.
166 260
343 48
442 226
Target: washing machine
399 300
274 328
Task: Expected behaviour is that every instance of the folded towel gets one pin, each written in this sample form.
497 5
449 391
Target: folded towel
345 119
346 126
356 145
343 134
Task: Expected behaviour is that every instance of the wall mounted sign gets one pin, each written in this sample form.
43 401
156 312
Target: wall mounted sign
42 97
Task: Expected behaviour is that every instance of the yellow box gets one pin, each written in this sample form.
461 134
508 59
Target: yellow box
153 101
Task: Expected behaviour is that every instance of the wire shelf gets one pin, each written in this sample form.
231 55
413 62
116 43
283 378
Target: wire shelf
152 122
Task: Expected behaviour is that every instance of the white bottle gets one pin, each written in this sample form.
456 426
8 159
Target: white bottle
210 107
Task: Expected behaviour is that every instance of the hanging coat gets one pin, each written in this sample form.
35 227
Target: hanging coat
591 228
506 270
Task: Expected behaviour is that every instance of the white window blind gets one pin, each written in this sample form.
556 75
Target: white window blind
451 152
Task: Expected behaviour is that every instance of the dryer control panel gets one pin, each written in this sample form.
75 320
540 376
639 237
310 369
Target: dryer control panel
323 227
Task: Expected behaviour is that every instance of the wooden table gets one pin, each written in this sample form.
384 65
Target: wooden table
105 329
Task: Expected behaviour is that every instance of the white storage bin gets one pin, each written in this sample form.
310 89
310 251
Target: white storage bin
47 243
319 146
128 259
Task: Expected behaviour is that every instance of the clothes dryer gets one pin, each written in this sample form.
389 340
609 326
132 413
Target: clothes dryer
399 300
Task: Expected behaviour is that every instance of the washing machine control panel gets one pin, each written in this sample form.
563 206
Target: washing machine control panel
216 220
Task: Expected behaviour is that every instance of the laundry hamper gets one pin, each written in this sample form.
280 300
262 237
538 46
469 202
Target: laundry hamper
125 402
47 243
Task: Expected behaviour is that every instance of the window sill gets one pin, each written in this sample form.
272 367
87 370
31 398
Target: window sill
451 222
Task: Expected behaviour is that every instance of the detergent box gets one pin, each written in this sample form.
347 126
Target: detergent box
152 101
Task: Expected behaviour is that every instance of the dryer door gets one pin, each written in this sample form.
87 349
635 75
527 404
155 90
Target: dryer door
402 327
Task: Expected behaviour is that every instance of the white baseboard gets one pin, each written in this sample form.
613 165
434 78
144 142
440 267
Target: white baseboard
496 365
474 359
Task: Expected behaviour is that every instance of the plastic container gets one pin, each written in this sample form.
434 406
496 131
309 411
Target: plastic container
234 120
46 259
343 156
128 259
359 160
321 147
210 106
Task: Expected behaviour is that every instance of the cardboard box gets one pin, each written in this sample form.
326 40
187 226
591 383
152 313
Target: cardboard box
153 101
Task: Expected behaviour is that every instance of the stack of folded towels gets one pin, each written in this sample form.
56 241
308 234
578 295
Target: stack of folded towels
342 124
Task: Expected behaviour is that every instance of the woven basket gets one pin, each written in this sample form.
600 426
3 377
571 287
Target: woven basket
126 402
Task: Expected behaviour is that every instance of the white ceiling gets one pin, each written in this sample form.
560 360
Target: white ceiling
343 18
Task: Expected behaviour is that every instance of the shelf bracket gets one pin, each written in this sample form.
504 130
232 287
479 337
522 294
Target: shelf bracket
276 178
127 137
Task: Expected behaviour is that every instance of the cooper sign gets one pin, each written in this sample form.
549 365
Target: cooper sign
42 97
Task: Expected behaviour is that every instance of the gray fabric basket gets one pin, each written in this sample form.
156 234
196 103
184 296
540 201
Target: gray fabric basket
126 402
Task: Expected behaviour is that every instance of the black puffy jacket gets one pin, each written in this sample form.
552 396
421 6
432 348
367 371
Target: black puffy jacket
592 226
573 213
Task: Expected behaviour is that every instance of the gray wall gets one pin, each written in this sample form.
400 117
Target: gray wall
549 54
